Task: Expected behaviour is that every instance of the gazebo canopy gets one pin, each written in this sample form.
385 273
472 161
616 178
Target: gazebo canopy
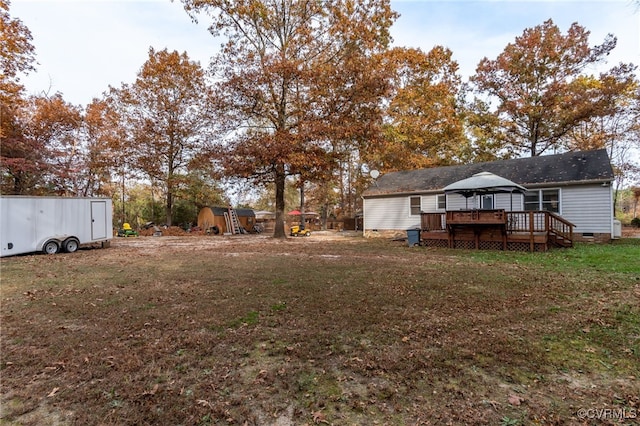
299 213
264 214
483 183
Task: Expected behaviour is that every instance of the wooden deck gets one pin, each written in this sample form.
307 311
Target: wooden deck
496 230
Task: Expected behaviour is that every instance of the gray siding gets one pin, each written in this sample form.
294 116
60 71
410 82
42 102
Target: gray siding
389 213
500 201
507 201
430 203
588 207
458 202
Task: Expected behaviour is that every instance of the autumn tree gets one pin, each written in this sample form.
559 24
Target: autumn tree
618 131
47 154
57 126
105 150
164 116
16 56
19 157
536 87
23 161
293 78
423 122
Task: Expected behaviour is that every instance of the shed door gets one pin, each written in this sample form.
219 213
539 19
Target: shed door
98 220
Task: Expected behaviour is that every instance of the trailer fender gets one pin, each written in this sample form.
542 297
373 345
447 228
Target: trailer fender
51 246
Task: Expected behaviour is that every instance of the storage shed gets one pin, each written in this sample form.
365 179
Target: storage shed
212 219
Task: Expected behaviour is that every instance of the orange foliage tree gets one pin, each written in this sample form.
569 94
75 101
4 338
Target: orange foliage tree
164 119
20 158
537 90
105 152
423 118
56 125
296 80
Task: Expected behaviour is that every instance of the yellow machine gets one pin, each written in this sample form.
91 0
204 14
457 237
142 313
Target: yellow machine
127 231
299 231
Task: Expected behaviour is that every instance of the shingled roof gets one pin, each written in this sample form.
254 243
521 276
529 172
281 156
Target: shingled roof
560 169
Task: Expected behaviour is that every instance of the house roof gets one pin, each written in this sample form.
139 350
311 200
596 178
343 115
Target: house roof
547 170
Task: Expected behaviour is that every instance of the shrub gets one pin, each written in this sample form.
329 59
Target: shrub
635 222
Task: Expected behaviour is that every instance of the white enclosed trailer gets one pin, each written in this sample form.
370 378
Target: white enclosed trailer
52 224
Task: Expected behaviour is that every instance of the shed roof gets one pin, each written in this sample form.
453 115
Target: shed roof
571 167
220 211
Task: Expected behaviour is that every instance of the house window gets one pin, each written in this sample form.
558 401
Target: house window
416 207
545 199
532 201
486 202
551 200
441 202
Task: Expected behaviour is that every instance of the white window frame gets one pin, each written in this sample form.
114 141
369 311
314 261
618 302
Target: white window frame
441 198
411 206
488 197
541 203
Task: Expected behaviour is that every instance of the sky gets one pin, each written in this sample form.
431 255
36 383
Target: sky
85 46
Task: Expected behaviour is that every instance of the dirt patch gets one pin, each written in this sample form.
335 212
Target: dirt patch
330 329
630 232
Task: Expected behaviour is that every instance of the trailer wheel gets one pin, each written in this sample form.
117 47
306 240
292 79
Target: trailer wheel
70 245
51 247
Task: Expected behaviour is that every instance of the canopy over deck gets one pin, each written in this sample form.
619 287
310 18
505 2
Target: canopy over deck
484 183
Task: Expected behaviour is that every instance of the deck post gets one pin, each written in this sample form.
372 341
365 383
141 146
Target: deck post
531 230
504 238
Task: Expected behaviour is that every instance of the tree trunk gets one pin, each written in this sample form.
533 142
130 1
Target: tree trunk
278 232
169 207
17 184
302 221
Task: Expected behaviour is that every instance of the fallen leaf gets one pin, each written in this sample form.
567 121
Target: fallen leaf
515 400
53 392
319 417
152 391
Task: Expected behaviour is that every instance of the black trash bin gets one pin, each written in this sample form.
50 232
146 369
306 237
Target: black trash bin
413 237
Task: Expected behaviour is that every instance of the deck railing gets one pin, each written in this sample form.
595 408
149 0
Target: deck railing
476 217
529 221
433 222
560 229
536 222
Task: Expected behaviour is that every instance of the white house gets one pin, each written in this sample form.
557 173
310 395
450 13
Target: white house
574 185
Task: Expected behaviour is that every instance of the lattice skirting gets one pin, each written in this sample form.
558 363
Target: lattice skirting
490 245
435 243
463 244
484 245
522 246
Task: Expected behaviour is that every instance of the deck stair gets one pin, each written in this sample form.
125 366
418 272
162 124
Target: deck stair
560 230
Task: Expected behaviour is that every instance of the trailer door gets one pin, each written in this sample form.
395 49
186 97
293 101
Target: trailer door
98 220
